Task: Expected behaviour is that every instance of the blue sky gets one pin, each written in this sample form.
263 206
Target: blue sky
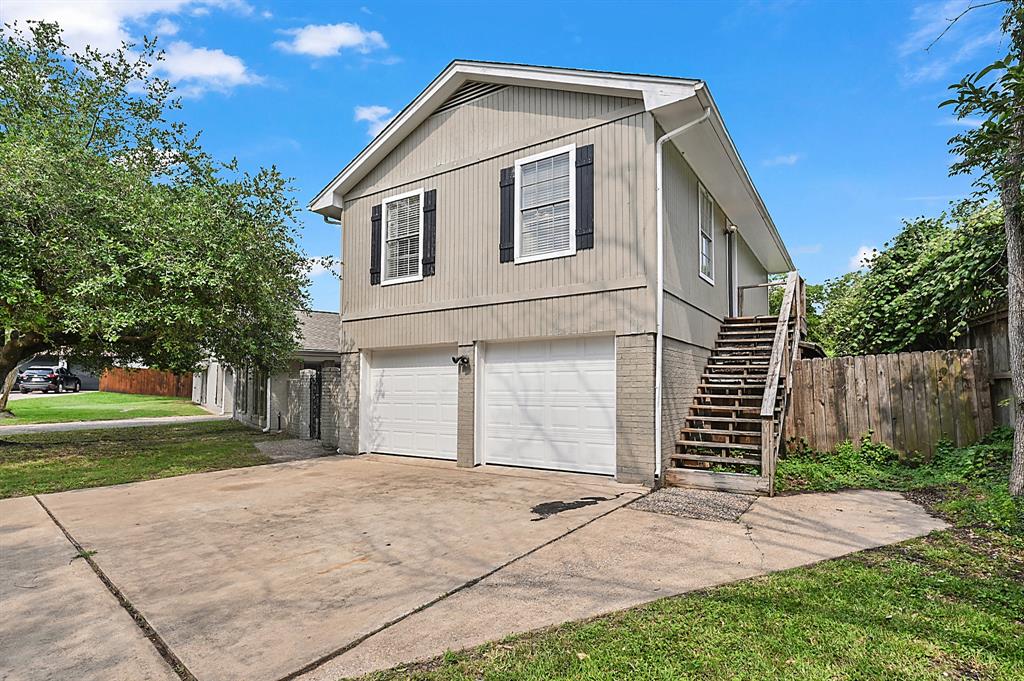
832 105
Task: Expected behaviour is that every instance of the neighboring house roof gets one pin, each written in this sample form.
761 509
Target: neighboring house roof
319 331
672 102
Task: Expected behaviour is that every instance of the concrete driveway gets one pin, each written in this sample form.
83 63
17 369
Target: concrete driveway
336 566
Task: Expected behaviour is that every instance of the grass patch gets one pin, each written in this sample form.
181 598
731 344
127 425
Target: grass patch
946 606
38 463
96 406
967 485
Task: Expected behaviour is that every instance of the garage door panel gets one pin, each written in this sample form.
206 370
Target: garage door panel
413 403
551 404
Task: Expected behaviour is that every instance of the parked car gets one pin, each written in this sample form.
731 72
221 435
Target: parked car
57 379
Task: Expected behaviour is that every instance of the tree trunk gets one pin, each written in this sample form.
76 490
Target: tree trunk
17 348
1015 294
1013 223
12 375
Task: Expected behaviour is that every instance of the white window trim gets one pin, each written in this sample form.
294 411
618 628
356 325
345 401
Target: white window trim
571 250
384 239
702 191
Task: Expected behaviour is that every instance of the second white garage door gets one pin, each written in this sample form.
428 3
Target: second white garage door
550 404
412 403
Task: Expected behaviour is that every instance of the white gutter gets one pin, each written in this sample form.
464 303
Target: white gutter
267 429
659 339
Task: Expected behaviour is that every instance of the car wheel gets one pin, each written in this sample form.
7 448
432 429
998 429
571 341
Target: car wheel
59 389
78 386
25 392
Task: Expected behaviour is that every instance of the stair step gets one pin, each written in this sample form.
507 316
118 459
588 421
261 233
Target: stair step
730 398
722 419
731 387
733 380
695 478
705 458
733 408
716 445
714 431
738 362
751 318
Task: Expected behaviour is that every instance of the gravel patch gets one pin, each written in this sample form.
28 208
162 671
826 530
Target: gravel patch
293 449
695 503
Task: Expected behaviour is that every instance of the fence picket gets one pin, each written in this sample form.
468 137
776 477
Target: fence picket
909 400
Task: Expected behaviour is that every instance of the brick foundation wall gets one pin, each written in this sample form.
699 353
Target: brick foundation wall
333 389
466 430
682 365
347 405
634 407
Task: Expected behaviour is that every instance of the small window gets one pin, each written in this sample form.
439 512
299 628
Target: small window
403 236
545 205
707 236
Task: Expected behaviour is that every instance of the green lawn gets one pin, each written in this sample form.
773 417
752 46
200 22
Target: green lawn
96 406
947 606
53 462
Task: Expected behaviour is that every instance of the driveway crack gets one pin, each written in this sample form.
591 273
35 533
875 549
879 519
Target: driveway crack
324 659
165 652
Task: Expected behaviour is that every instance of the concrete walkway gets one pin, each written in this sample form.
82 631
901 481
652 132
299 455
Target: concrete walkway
337 566
114 423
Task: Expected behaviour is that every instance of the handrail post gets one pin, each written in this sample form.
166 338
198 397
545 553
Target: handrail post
778 368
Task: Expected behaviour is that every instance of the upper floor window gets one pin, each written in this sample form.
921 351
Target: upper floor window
706 248
545 205
403 237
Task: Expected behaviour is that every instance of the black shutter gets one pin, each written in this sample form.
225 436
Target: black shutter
375 245
585 197
506 243
429 231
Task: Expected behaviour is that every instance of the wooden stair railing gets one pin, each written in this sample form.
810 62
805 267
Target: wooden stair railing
785 350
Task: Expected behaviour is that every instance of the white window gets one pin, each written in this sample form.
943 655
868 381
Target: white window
545 205
403 236
706 247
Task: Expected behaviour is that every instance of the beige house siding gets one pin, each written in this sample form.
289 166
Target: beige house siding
512 117
694 307
474 297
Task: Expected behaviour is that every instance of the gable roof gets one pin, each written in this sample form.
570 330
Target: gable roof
319 331
672 102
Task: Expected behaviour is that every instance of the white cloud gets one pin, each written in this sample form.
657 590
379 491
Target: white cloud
105 24
782 160
328 40
165 27
195 70
969 122
926 60
863 256
376 116
317 268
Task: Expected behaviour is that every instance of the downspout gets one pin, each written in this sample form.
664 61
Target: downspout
267 429
659 323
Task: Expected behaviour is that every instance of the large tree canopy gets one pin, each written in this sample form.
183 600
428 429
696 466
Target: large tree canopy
120 239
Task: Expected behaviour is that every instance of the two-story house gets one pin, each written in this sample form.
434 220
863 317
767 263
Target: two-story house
538 261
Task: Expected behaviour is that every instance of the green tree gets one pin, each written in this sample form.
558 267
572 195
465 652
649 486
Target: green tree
993 153
121 240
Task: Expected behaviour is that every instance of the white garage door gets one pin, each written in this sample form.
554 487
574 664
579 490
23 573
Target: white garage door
412 403
551 404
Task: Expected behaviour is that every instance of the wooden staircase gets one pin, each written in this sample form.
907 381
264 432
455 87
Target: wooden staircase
731 436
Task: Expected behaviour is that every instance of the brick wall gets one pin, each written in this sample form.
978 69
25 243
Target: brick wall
346 407
333 388
634 405
295 386
682 365
465 435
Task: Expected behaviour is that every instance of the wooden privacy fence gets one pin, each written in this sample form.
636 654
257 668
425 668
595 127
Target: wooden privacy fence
910 401
990 333
146 382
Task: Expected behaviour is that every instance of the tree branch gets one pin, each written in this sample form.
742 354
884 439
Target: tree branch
958 17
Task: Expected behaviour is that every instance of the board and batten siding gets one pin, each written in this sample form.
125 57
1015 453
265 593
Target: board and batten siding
695 308
474 297
511 117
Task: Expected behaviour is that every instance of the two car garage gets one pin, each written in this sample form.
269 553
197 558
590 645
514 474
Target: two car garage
541 404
